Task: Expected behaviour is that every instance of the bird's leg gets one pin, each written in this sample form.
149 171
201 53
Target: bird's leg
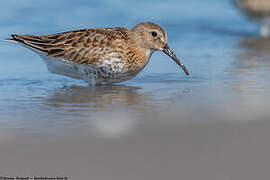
264 31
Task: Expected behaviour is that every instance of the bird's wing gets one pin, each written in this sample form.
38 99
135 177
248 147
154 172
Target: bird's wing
82 46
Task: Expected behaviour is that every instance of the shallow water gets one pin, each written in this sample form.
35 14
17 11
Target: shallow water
162 124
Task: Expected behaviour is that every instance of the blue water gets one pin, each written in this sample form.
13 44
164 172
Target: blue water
228 87
220 48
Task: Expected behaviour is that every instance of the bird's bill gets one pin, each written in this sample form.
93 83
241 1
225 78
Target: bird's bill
170 53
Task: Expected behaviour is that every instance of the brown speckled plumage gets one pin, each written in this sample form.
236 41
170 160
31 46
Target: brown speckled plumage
115 54
84 46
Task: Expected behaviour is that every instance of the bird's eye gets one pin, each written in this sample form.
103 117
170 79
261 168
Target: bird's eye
154 34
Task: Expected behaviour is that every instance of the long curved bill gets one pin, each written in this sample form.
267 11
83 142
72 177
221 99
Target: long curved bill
170 53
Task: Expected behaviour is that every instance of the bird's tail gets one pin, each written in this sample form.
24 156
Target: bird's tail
9 40
12 39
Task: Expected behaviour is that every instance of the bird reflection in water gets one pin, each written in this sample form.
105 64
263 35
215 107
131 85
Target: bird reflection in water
257 49
110 110
97 98
250 69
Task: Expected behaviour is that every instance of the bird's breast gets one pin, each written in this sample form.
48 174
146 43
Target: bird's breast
137 59
114 65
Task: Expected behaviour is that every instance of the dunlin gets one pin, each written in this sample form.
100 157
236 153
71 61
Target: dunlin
100 55
258 11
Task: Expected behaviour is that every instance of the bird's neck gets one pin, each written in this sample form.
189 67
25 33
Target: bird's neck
143 53
144 59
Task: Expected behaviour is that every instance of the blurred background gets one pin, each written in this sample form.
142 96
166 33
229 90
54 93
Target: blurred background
211 125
